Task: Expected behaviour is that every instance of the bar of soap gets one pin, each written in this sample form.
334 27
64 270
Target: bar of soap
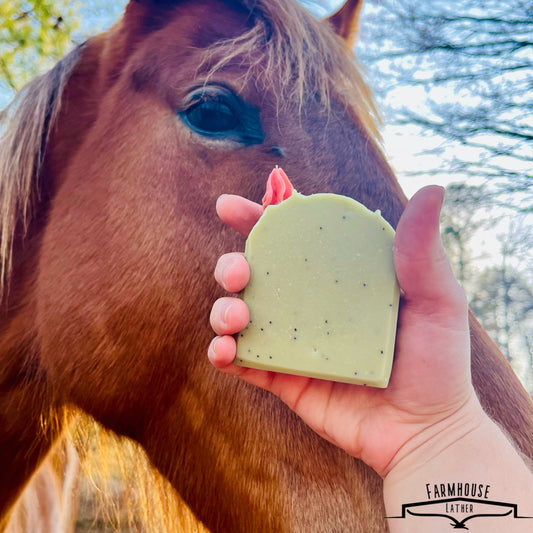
323 295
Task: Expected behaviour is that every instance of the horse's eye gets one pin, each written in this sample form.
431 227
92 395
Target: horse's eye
217 113
212 116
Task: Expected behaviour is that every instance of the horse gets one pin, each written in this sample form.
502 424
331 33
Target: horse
110 168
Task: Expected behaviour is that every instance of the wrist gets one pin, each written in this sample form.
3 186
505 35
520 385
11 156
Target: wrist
432 441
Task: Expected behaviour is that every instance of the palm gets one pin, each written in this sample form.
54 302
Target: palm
430 380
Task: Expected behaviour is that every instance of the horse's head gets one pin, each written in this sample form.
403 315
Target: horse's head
176 104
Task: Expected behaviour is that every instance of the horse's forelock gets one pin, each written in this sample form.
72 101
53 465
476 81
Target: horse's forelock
301 55
25 126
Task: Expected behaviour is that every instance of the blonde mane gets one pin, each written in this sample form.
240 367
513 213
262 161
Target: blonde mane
25 126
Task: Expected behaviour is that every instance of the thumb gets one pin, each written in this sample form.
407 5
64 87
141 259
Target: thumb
422 267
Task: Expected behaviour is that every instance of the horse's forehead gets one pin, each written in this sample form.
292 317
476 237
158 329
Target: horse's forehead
178 51
214 21
200 23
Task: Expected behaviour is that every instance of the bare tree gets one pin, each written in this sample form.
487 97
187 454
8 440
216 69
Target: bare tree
469 67
503 301
460 221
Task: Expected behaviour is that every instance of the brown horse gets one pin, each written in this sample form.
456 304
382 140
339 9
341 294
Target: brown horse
110 168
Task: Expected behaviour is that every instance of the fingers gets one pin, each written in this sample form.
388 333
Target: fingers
229 316
423 270
232 272
221 352
239 213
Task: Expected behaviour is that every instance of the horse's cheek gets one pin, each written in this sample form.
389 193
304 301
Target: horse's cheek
108 309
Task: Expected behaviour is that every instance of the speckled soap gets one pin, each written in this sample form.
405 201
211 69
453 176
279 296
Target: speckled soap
323 295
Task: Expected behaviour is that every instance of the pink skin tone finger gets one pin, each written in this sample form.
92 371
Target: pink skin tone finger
232 272
229 316
238 213
420 259
221 352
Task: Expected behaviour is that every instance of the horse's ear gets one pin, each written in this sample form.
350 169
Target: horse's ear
346 21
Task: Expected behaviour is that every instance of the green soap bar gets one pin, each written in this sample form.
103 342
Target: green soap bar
323 295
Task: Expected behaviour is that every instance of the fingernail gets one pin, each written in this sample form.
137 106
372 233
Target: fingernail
219 199
220 270
211 352
226 313
442 193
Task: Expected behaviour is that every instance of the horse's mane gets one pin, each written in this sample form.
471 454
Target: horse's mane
305 60
25 126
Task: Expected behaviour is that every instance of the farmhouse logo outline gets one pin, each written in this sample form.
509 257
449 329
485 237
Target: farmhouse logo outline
508 509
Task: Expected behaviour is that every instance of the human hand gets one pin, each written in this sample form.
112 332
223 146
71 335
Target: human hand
430 382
